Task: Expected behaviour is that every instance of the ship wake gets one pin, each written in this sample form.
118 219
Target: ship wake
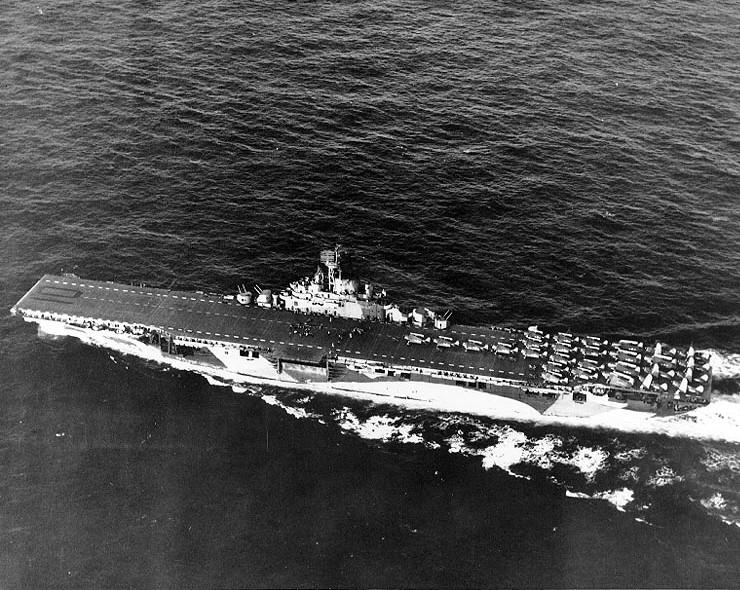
626 458
637 474
718 421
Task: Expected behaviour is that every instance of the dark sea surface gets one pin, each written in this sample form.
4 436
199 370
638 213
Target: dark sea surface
574 165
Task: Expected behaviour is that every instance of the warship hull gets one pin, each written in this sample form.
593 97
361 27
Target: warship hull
437 394
215 335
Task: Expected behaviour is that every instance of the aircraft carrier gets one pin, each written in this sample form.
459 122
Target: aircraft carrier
338 335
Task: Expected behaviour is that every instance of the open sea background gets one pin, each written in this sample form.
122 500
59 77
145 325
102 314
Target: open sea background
571 164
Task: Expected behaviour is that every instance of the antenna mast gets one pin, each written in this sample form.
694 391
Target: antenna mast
331 259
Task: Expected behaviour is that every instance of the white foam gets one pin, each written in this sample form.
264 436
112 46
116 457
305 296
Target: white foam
725 365
296 412
215 381
663 476
631 474
509 451
440 397
717 505
718 460
546 451
630 455
720 420
589 461
382 428
714 502
456 444
513 447
618 498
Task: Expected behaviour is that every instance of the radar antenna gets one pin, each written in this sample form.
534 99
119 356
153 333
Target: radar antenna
331 259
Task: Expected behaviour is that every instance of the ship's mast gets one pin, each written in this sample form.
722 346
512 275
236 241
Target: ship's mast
331 259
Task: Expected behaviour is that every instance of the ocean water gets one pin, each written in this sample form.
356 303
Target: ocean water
572 165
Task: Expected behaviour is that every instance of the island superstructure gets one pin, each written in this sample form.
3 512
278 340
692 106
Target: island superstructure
337 334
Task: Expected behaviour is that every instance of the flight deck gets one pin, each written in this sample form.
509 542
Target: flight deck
330 327
198 317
